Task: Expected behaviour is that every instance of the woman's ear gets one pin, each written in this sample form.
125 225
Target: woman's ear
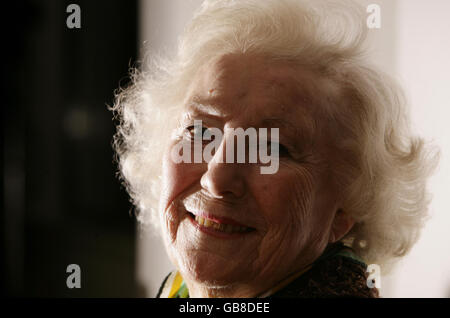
341 225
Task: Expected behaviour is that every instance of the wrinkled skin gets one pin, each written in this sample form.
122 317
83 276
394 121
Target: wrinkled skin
294 213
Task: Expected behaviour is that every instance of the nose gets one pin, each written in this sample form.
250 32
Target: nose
224 180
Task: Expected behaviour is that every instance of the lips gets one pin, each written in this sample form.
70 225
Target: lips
219 224
228 228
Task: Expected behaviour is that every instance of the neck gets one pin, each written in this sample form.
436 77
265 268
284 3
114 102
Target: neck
197 290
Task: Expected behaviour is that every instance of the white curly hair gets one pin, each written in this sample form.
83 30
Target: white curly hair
383 169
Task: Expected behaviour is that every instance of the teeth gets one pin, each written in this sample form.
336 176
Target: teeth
200 220
228 228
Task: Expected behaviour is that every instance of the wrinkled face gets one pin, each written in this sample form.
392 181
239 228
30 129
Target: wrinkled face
227 224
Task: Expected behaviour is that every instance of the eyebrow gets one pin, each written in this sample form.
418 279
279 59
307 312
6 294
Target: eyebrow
206 109
278 123
304 132
282 123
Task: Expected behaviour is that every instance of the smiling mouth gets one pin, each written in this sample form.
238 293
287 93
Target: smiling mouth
219 227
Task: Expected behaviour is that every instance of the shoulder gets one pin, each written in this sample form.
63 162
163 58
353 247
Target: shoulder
338 276
173 286
164 289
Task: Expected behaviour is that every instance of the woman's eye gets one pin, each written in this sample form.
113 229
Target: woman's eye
283 151
192 131
196 130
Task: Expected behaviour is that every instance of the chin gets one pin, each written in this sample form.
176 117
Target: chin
203 260
209 270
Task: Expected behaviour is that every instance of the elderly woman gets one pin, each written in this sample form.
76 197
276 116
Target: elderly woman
348 186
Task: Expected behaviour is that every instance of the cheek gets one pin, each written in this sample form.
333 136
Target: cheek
310 204
177 180
288 196
285 199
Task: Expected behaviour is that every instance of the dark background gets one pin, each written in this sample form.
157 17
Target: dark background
62 203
